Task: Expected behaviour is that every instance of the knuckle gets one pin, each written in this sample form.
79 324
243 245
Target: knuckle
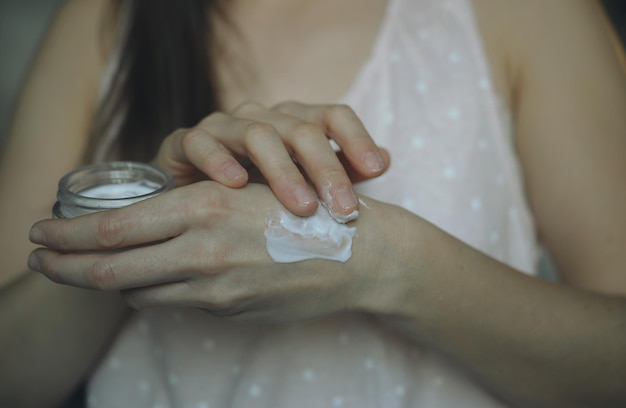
196 253
286 106
306 131
259 131
110 231
200 200
338 111
102 275
334 175
207 258
192 137
222 302
247 107
213 119
215 197
210 155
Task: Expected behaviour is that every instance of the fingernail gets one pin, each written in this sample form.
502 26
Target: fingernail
36 236
33 262
304 196
234 172
345 199
373 161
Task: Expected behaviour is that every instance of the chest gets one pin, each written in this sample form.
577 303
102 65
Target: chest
272 51
306 51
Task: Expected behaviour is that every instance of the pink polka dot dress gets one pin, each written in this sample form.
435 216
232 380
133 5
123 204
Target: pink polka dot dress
425 94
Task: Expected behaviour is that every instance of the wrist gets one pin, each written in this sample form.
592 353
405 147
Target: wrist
388 258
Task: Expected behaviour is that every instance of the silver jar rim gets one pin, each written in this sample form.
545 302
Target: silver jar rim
71 203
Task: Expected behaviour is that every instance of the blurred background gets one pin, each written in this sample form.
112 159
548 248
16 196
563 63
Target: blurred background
23 22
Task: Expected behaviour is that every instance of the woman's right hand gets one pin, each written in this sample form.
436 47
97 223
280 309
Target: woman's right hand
205 246
289 145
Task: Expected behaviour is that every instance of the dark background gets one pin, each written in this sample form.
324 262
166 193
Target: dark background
617 11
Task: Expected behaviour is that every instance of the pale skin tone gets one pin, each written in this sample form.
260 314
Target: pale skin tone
549 345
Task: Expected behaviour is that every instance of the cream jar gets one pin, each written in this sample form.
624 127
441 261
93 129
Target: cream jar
110 185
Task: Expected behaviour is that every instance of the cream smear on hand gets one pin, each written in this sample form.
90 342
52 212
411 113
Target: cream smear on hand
292 239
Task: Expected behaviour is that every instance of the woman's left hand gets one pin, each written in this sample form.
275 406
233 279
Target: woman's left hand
200 246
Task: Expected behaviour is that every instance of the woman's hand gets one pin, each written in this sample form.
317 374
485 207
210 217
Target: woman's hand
288 144
203 246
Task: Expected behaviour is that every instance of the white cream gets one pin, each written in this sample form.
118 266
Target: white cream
343 219
327 199
121 190
292 239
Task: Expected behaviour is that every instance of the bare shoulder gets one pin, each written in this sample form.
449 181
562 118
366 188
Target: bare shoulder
520 34
72 54
530 20
84 26
568 94
60 92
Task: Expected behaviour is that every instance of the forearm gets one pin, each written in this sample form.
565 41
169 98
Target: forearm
534 343
52 335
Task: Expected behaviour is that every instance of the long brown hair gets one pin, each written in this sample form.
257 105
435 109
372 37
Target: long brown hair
162 79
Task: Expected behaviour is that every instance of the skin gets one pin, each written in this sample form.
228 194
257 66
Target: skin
271 139
549 345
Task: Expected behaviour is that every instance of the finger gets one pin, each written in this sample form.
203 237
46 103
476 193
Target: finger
187 294
267 151
342 125
204 152
320 163
177 294
208 293
189 149
251 132
310 146
134 268
354 175
138 224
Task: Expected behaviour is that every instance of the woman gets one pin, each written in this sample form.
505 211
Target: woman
431 309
